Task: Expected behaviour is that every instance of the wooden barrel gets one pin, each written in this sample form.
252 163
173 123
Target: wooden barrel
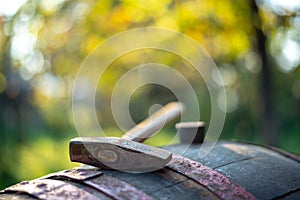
232 170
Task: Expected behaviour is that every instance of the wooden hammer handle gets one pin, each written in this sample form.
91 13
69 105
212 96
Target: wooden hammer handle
154 122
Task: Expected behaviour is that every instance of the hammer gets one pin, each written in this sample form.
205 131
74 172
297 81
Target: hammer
127 153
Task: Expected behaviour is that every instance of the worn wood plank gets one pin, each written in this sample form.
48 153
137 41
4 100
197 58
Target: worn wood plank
265 177
261 171
187 189
290 196
165 184
220 154
149 182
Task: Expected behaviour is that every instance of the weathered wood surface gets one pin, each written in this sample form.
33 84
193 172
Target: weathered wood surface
263 172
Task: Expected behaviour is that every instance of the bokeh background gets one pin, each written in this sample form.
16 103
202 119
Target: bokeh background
255 44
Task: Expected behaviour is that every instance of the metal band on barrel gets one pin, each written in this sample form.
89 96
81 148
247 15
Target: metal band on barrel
211 179
77 174
105 184
50 189
284 153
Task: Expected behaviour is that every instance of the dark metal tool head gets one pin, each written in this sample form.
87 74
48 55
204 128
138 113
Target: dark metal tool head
118 153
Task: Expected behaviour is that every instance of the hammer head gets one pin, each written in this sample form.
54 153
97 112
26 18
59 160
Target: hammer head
117 153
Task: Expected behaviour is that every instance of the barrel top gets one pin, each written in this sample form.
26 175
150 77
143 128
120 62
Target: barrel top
244 170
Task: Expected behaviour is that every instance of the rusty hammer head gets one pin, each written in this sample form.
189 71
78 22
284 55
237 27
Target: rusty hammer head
118 153
125 153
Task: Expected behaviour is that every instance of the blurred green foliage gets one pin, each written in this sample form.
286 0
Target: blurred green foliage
43 43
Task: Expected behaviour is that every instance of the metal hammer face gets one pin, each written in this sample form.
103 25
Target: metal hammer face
117 153
126 153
